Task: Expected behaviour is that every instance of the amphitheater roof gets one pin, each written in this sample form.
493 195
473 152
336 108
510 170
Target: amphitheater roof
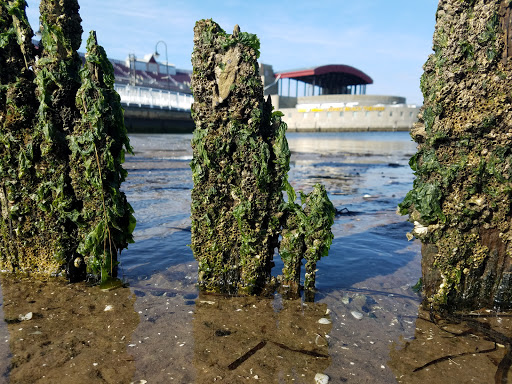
334 74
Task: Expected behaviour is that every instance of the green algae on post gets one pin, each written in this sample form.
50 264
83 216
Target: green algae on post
306 234
48 211
237 194
57 80
460 201
98 145
18 108
239 168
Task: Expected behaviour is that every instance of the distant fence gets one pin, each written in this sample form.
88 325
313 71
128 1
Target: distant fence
153 98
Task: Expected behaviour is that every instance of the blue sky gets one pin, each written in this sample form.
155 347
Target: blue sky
388 40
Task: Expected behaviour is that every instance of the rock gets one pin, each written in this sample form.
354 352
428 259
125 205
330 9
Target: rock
321 378
359 302
357 315
28 316
324 320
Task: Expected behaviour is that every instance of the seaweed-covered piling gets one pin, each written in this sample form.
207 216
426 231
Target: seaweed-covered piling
460 202
18 107
319 215
240 164
57 79
306 234
98 145
50 194
237 186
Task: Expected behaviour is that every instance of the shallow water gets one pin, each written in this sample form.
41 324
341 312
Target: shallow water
368 274
160 330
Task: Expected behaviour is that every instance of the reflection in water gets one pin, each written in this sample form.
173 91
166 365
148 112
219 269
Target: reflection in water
365 282
68 333
354 143
473 348
247 338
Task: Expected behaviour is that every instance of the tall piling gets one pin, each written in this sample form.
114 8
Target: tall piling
461 199
62 142
239 168
237 172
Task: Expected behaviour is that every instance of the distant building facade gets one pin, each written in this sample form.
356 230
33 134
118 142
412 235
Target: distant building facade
333 98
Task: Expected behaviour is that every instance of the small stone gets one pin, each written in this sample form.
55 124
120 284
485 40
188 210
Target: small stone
108 308
345 300
321 378
357 315
28 316
324 320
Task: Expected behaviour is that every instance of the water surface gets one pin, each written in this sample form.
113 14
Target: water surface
363 327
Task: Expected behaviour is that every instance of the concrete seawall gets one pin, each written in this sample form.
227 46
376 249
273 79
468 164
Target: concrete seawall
154 120
358 118
326 113
335 113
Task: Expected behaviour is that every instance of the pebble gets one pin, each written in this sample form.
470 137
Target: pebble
323 320
321 378
28 316
345 300
108 308
357 315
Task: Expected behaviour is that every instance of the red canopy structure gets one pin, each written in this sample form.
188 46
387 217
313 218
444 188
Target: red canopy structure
331 79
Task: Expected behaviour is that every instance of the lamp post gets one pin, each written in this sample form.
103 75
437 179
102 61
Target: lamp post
156 54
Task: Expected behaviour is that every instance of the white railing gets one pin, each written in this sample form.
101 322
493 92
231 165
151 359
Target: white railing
153 98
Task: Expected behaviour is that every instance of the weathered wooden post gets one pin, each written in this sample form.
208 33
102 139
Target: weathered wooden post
58 80
240 164
237 171
461 199
98 145
18 108
60 158
305 235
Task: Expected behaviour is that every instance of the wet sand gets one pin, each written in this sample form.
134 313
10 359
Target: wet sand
370 332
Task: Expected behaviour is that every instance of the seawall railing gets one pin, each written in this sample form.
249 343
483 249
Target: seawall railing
153 98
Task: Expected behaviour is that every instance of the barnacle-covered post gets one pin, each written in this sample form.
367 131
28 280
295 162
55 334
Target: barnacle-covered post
98 145
460 201
18 108
238 165
57 79
292 248
60 161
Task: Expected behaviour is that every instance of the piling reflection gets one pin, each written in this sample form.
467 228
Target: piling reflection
474 348
242 338
68 333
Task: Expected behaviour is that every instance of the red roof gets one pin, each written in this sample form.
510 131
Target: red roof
333 70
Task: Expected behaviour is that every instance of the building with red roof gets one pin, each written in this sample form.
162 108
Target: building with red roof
334 98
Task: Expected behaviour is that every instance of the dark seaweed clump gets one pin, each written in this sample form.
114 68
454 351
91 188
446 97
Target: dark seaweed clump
62 143
240 164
